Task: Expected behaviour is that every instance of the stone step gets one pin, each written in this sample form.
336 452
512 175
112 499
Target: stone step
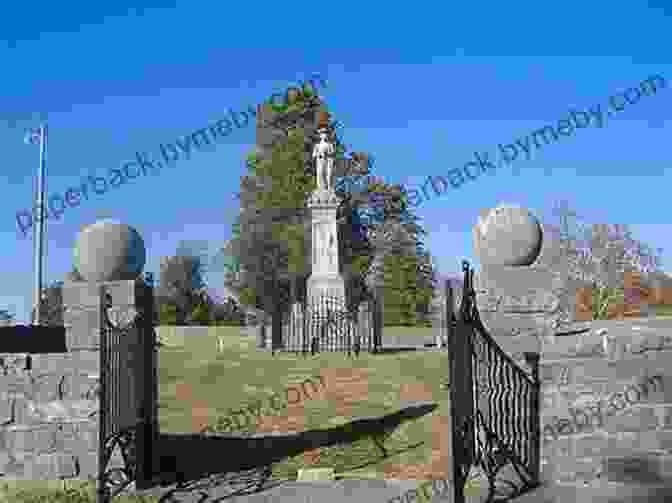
598 492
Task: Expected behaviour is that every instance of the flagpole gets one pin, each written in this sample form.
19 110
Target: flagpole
38 230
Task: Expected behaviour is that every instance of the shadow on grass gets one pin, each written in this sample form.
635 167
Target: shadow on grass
386 351
229 459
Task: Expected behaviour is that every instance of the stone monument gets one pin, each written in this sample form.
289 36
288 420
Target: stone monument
522 287
325 278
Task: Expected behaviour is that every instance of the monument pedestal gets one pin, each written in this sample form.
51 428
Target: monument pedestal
331 286
325 278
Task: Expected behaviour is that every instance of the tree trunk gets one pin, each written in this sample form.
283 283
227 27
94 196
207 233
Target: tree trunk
294 289
276 318
276 328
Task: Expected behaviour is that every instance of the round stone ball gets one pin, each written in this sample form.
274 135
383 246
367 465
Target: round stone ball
109 251
508 236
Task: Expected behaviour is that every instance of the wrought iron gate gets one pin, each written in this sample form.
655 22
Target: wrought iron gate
494 407
128 393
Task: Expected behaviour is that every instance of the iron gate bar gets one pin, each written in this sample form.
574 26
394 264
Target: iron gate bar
461 410
126 372
487 430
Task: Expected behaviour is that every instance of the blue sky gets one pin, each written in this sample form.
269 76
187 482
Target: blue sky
422 89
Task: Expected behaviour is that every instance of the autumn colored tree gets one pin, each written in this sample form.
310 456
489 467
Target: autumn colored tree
606 257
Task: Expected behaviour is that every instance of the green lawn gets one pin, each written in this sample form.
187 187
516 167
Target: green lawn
663 311
258 375
44 491
417 331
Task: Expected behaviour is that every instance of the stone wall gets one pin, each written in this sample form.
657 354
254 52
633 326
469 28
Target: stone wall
49 402
46 403
606 394
607 404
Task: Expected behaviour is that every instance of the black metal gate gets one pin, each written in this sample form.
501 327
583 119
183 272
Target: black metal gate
494 407
127 392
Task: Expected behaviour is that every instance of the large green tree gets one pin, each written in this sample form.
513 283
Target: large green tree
274 242
273 245
181 288
400 269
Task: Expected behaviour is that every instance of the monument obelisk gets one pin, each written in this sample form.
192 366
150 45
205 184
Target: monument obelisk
325 278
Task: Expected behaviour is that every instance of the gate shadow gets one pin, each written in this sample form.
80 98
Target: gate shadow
247 459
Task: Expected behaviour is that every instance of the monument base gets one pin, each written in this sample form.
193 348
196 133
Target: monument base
330 285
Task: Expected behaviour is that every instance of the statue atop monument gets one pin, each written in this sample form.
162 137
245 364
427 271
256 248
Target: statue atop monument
325 278
323 153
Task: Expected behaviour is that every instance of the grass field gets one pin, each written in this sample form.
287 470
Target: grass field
194 374
198 383
663 311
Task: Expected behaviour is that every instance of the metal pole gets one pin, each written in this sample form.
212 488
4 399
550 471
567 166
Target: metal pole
532 360
39 228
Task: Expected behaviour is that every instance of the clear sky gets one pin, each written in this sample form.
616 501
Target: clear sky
420 87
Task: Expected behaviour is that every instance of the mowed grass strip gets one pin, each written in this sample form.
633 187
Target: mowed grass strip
663 310
53 491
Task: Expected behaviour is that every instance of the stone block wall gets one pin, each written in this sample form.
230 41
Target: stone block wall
606 406
49 402
48 415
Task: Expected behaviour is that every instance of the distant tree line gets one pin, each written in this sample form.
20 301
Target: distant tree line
181 298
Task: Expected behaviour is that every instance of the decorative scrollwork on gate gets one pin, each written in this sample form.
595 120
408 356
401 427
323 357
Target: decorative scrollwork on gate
114 480
497 403
121 318
462 451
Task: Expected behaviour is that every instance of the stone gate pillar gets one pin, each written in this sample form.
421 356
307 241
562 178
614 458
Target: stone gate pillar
523 286
110 315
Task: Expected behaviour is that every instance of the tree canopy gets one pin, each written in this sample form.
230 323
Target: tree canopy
602 255
181 287
274 231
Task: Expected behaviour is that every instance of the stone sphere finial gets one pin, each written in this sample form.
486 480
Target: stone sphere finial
109 251
508 235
